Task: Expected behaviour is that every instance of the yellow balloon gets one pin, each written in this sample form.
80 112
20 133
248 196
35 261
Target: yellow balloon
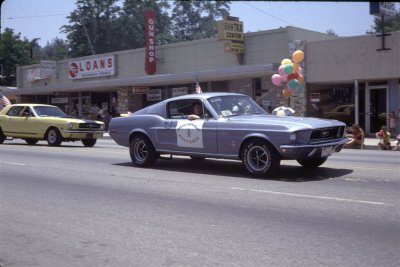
298 56
286 61
286 93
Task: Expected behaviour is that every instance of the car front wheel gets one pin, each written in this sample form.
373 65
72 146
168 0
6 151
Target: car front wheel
142 151
89 142
311 163
54 137
260 158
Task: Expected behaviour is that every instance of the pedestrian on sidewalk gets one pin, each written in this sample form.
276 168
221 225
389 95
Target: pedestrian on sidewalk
384 139
356 137
392 124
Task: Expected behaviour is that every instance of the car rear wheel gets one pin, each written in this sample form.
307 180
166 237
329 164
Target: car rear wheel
260 158
311 163
2 137
89 142
53 137
31 141
142 151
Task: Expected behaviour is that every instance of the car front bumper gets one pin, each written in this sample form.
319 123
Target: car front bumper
82 134
311 151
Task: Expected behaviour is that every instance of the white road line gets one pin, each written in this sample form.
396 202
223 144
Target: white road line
312 196
14 163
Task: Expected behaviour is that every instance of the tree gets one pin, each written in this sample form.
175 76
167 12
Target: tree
331 32
91 28
391 24
13 52
57 49
194 20
131 31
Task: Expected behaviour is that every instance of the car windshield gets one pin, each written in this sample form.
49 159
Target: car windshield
48 111
227 106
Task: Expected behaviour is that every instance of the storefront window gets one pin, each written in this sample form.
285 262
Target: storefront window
332 103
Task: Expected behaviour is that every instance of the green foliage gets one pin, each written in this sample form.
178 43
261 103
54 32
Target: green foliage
57 49
13 51
102 26
194 20
391 24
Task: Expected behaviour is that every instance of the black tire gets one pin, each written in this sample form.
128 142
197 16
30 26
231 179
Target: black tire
53 137
197 158
311 163
260 158
142 151
89 142
31 141
2 137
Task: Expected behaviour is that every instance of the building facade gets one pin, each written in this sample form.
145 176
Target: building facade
340 74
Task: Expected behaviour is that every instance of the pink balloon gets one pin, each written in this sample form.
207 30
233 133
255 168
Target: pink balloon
284 77
276 79
281 70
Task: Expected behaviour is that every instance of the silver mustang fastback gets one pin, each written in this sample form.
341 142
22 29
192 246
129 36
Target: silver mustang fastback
226 125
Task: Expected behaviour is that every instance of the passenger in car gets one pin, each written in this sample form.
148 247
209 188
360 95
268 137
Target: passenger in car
197 111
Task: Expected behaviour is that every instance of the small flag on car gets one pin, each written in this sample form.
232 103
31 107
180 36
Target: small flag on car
4 100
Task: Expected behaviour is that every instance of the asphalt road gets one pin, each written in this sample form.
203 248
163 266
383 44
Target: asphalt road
77 206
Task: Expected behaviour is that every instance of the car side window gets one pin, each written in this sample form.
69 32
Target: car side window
181 109
15 111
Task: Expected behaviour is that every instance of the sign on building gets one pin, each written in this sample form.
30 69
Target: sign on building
140 90
93 67
179 91
230 30
154 95
48 69
150 32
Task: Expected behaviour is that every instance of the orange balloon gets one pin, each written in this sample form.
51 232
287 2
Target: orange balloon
296 67
298 56
286 92
300 78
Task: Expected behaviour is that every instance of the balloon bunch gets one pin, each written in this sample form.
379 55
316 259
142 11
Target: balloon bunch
290 72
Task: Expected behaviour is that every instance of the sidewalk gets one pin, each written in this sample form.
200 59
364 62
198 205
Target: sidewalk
369 143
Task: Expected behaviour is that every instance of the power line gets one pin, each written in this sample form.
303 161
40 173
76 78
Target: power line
250 5
37 16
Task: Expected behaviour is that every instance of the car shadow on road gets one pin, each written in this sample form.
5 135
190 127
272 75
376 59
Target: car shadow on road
232 168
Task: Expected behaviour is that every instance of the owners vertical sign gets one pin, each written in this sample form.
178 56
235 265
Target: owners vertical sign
150 21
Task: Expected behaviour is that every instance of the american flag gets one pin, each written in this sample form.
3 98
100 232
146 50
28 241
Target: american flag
4 100
197 89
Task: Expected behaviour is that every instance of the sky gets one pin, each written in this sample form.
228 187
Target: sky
44 18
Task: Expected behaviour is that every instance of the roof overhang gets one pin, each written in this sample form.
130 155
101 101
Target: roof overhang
228 73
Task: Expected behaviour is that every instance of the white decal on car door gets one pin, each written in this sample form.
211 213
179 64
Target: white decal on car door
189 133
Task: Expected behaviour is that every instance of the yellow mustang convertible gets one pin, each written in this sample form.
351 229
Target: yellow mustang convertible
34 122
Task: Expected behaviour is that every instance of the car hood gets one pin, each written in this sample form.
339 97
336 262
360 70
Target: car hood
289 122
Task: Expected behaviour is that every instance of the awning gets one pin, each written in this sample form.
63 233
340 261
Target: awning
228 73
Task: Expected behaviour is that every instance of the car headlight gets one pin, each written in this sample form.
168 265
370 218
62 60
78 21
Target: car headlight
70 125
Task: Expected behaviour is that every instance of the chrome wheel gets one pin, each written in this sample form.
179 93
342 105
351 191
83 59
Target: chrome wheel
142 151
258 158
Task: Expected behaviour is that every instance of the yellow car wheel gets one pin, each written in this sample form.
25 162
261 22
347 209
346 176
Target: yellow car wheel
53 137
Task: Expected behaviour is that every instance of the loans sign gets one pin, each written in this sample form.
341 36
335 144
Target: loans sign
93 67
